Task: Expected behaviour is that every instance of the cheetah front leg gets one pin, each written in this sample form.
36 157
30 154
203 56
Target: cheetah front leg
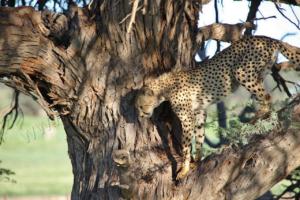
187 123
199 133
263 98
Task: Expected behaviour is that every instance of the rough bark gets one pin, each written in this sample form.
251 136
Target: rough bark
86 67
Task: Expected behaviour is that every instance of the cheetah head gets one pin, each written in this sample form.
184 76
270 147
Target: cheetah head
146 102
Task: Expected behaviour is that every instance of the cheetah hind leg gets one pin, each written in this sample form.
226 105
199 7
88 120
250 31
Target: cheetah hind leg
264 105
264 100
260 114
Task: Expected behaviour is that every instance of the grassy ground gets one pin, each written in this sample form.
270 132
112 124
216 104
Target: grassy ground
41 164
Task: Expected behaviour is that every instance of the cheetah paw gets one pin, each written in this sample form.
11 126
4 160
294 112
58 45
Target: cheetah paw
182 172
196 158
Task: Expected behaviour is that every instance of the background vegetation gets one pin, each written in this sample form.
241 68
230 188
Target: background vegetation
36 151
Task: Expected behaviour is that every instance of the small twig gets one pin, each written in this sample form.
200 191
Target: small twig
127 16
259 13
298 21
28 87
39 97
280 11
217 21
15 107
133 13
287 35
264 18
281 81
14 110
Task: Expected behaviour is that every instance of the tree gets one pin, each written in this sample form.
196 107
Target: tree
86 66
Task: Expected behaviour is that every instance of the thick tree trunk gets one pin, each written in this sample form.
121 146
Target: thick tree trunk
88 71
86 67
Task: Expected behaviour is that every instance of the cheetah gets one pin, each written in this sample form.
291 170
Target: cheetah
191 91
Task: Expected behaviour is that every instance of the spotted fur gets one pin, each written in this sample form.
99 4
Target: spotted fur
191 91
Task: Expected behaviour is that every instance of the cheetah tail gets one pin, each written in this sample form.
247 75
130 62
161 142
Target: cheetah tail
292 53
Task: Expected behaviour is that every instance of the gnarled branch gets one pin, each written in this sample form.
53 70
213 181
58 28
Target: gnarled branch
223 32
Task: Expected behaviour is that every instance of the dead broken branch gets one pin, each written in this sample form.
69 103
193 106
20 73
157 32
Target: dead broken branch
13 111
222 32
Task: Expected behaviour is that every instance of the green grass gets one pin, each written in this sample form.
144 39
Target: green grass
41 166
